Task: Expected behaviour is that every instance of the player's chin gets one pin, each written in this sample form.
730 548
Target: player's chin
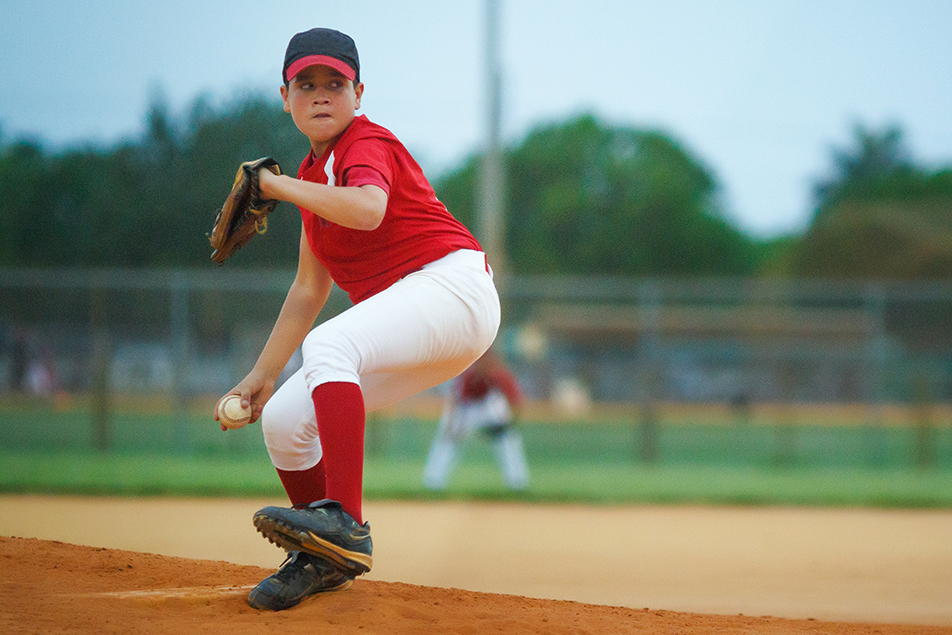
322 129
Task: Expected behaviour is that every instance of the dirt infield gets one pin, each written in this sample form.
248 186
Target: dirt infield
161 566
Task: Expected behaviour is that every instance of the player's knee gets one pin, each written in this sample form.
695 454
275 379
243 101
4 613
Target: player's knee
275 427
290 441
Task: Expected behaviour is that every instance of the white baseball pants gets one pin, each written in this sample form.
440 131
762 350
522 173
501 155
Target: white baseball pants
422 331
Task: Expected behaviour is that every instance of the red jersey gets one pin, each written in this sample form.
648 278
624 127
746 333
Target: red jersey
416 229
475 383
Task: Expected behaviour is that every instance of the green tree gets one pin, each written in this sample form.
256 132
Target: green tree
585 198
23 195
879 216
877 158
216 143
150 201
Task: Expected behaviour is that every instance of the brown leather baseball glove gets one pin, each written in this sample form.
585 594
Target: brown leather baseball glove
245 213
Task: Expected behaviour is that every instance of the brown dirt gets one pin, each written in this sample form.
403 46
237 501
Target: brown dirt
55 587
186 565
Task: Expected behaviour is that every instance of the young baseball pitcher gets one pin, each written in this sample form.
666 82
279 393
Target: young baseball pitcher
424 309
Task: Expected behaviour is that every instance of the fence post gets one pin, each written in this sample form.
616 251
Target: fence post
179 287
786 429
875 373
650 324
101 369
922 419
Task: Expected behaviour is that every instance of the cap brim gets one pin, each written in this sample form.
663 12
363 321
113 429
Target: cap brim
322 60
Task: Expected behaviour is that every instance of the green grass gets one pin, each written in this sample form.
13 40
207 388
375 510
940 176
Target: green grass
156 453
140 475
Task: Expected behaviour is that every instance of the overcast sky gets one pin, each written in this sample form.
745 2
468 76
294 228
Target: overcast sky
758 90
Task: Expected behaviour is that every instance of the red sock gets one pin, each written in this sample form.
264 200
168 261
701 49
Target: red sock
340 422
304 486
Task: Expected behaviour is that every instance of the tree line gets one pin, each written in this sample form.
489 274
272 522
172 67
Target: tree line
583 198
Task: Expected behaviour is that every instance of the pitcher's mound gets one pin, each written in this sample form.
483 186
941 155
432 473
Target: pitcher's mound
53 587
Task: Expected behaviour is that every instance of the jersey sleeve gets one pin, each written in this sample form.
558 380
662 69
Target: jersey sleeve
368 162
363 175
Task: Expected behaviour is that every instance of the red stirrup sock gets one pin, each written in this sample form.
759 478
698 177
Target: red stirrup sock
340 422
304 486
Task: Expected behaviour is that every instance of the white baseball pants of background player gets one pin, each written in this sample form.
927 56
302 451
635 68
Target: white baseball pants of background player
420 332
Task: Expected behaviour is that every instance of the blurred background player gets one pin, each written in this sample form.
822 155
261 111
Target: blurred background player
485 398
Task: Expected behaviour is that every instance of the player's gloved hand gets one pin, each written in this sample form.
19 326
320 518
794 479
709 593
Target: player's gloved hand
245 212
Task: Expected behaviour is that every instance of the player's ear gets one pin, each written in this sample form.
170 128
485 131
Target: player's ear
284 98
359 91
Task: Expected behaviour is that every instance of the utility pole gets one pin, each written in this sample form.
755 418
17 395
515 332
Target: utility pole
491 205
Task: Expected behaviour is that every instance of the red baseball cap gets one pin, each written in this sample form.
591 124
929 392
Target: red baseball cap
326 47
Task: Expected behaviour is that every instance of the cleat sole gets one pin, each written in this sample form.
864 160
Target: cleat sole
291 539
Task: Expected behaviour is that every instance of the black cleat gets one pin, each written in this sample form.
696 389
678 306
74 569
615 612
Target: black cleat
322 529
301 576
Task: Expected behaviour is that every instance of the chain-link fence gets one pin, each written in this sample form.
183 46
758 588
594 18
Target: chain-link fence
656 352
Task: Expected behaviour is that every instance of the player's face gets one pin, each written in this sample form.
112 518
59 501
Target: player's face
322 103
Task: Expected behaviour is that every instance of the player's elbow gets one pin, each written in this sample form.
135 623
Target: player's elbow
370 220
374 208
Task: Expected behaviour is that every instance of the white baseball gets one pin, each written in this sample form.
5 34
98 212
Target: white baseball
231 414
